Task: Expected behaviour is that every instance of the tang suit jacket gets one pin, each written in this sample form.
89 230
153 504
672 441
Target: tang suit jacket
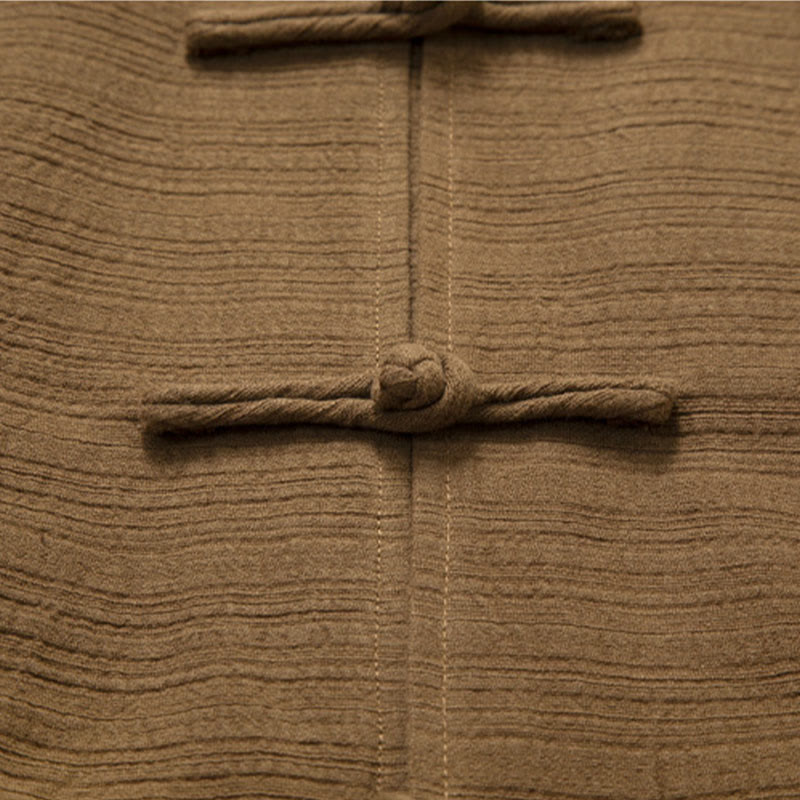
399 400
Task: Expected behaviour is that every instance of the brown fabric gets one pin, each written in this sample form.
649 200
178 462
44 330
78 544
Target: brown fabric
413 389
231 27
224 618
604 613
559 611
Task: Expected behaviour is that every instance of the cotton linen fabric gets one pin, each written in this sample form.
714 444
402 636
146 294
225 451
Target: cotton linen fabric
561 610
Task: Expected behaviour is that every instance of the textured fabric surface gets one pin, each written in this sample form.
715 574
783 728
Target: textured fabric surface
558 611
235 27
195 619
605 613
412 389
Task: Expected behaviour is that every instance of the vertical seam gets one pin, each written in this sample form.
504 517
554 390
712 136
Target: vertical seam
450 202
445 600
415 51
379 510
414 167
448 496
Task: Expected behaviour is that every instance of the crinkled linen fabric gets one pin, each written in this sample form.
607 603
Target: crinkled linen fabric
554 610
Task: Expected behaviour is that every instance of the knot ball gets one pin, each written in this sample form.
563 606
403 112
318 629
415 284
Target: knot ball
410 376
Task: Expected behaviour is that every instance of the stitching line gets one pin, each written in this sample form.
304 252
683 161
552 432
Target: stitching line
448 496
450 203
379 511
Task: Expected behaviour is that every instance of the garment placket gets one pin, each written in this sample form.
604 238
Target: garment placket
431 538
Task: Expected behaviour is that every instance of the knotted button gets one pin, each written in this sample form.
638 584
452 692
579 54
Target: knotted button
227 30
411 376
416 389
